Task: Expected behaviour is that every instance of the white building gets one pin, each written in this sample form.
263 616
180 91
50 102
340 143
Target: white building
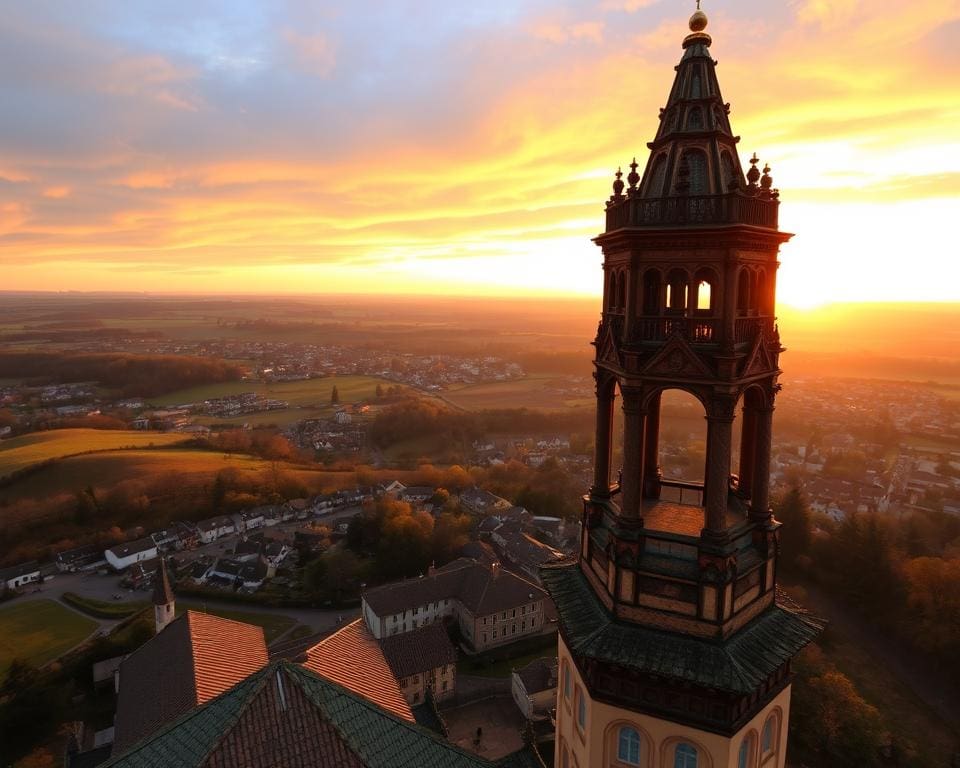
123 556
17 576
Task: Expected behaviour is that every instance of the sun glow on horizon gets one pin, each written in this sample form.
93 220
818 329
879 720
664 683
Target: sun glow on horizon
269 162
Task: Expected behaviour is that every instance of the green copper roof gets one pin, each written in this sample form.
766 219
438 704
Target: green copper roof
287 715
738 664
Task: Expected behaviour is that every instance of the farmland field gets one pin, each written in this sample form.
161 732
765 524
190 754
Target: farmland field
536 391
39 631
310 393
20 452
104 470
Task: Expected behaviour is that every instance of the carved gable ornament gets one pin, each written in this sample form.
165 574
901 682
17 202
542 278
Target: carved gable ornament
677 358
609 350
759 360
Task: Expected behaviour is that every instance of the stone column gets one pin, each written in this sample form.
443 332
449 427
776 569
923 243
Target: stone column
760 489
603 449
747 449
717 474
633 418
651 450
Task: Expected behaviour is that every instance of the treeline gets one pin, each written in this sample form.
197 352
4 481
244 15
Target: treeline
902 577
133 375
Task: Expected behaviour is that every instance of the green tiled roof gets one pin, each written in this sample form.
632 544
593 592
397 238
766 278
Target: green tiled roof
738 664
328 721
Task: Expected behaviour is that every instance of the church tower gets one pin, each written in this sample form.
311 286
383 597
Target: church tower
674 652
164 605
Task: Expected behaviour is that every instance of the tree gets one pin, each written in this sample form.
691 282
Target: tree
334 395
793 512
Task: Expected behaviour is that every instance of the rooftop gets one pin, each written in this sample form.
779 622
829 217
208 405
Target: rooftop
411 653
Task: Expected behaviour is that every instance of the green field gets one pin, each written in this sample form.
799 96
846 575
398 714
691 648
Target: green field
274 625
105 470
536 391
20 452
311 393
39 631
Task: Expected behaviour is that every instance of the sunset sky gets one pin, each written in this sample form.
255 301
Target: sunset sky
434 146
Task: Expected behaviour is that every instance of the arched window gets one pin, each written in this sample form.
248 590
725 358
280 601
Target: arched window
760 292
581 710
612 294
729 174
655 185
622 291
676 298
628 746
696 90
746 749
567 684
685 756
695 119
743 291
767 738
697 162
651 292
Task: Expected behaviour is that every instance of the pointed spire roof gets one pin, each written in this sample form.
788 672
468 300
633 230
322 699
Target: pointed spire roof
162 593
693 175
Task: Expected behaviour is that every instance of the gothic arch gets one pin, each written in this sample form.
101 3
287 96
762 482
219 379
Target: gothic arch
705 276
743 290
622 291
652 286
773 721
611 739
695 119
696 160
657 175
751 740
676 296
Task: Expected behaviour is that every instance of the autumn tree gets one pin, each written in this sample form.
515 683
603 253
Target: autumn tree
793 512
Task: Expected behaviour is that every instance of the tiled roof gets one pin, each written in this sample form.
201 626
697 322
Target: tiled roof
738 664
352 658
195 658
480 589
539 675
411 653
285 715
133 547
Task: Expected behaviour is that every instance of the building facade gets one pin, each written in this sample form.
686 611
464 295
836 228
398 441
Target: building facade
674 652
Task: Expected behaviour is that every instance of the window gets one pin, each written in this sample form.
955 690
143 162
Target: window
628 746
581 710
685 756
743 759
566 680
564 755
766 740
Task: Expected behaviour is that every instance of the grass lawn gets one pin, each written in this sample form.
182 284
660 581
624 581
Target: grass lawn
273 624
311 393
536 391
39 631
20 452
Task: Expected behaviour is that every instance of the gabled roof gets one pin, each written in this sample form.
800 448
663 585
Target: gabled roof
738 664
195 658
286 715
352 658
481 589
412 653
539 675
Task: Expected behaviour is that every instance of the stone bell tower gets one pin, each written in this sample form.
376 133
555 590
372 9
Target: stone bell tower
673 649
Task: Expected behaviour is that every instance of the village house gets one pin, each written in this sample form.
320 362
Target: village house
17 576
491 606
213 528
423 660
249 520
534 688
82 559
481 502
122 556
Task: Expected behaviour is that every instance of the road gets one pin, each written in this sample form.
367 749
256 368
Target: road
107 587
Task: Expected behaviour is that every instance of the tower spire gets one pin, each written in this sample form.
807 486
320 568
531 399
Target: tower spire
164 603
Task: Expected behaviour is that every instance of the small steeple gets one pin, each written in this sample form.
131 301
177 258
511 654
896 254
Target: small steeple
164 604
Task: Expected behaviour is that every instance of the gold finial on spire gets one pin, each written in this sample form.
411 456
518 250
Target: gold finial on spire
698 22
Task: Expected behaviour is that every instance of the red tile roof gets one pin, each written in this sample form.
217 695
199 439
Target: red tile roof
195 658
352 658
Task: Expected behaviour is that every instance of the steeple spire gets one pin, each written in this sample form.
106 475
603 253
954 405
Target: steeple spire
164 604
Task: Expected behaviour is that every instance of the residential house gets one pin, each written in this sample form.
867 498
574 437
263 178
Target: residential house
87 558
17 576
482 502
122 556
534 688
213 528
423 660
491 606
